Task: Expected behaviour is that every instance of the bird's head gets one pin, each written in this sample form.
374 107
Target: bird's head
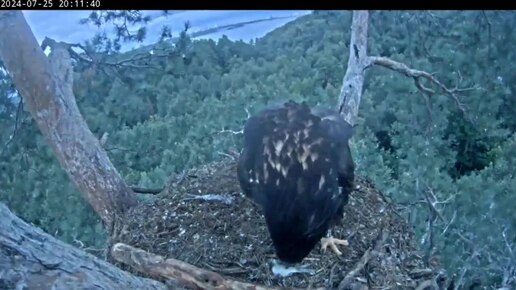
291 250
291 238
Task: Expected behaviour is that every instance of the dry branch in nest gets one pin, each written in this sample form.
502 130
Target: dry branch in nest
370 253
181 273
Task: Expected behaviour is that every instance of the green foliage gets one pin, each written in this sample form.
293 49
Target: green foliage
121 20
37 189
483 242
174 105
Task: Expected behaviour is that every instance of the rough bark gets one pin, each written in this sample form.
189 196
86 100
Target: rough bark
32 259
45 85
358 61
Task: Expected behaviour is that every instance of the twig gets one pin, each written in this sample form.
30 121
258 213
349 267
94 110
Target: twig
358 267
451 221
420 273
233 155
128 62
332 273
429 237
147 190
79 242
226 199
432 203
232 131
509 273
465 269
462 274
368 255
508 244
427 283
435 214
237 132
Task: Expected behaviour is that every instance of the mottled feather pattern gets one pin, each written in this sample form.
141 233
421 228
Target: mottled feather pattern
290 167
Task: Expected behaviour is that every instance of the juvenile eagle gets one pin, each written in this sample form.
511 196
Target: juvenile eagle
296 164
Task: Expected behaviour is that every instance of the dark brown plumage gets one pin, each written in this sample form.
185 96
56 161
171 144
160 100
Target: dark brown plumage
296 164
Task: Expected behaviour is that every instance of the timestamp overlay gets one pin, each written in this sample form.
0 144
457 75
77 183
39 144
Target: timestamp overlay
51 4
109 4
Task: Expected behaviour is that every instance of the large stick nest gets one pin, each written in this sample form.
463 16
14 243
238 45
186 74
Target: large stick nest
232 238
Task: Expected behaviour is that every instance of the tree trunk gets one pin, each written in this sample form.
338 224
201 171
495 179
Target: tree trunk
32 259
45 85
358 61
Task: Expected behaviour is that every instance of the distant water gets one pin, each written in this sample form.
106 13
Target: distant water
64 25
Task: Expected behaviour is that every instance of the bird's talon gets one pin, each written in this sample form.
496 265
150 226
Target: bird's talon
332 243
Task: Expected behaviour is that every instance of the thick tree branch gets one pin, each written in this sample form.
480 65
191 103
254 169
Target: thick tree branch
418 75
171 269
46 86
32 259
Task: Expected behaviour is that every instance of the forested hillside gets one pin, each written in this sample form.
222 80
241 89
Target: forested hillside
447 159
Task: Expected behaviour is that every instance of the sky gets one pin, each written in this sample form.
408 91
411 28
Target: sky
65 26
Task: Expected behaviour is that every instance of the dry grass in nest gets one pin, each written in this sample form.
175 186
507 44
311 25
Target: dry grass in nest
232 239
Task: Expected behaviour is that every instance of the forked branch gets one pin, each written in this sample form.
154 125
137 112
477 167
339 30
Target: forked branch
359 61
